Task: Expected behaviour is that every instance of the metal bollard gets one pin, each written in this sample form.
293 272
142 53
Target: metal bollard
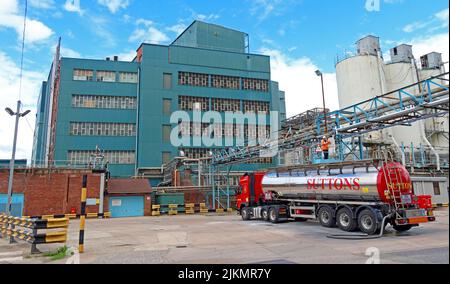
83 214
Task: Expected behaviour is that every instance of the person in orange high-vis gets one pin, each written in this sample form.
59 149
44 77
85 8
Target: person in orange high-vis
326 147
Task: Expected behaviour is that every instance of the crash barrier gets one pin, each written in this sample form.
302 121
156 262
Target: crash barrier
188 209
105 215
26 229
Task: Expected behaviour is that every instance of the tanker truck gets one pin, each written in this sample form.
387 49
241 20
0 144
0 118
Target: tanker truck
350 196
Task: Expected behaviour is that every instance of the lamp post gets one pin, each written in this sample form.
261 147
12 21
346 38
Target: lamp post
18 115
319 73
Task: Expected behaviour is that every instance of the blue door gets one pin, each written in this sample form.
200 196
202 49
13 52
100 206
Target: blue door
126 206
17 204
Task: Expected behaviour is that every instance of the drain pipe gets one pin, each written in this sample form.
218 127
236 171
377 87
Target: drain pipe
399 149
424 137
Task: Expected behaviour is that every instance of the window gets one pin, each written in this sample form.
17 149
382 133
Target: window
167 81
102 129
225 82
104 102
193 79
256 107
225 105
395 51
436 188
167 106
83 75
251 84
113 157
106 76
128 77
167 129
188 103
166 157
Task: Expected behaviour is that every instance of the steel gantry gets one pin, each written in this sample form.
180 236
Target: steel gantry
426 99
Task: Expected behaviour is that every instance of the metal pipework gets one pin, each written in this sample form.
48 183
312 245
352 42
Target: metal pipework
424 137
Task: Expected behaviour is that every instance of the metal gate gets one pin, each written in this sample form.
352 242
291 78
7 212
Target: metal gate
126 206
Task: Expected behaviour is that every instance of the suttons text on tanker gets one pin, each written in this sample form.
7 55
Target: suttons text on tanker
225 274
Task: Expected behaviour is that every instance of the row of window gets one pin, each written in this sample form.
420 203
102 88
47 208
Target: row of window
104 102
188 103
224 82
227 130
112 157
102 129
104 76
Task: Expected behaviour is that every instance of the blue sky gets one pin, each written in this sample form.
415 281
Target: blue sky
300 35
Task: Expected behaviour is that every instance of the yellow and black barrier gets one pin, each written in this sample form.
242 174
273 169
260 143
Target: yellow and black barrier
188 209
26 229
105 215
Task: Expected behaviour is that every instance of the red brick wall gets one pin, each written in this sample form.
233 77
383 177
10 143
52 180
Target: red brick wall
49 193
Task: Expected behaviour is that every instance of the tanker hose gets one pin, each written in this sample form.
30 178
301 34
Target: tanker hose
363 236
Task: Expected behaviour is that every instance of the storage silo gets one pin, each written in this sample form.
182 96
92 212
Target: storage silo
361 77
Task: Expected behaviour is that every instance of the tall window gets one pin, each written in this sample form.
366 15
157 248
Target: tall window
251 84
166 132
225 82
167 106
189 103
128 77
83 75
106 76
166 157
167 78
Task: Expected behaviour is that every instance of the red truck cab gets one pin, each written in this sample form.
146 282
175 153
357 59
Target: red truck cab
250 192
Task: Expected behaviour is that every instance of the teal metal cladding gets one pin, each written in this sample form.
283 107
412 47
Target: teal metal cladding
203 48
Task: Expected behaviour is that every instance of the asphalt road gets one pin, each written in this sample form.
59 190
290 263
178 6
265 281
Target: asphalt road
227 239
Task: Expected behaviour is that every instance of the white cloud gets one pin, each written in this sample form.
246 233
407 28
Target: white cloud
303 88
264 8
114 5
9 90
126 56
177 29
207 18
73 6
42 4
427 44
148 33
10 18
438 21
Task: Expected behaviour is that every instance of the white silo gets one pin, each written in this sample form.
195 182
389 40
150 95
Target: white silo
361 77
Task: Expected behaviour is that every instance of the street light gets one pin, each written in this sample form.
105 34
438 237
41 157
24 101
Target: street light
18 115
319 73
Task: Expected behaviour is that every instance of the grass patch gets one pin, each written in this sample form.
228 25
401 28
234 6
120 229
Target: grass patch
61 253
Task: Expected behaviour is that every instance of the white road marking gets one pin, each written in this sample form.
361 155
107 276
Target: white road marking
13 253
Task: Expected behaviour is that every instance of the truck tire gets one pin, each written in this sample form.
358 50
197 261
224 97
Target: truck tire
326 218
402 228
245 214
274 216
367 222
345 220
265 214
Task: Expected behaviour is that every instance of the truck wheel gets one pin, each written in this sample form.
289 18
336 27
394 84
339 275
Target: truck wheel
345 220
367 222
265 214
274 217
245 214
326 218
402 228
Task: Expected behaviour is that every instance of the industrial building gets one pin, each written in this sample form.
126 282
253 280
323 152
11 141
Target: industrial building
119 112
